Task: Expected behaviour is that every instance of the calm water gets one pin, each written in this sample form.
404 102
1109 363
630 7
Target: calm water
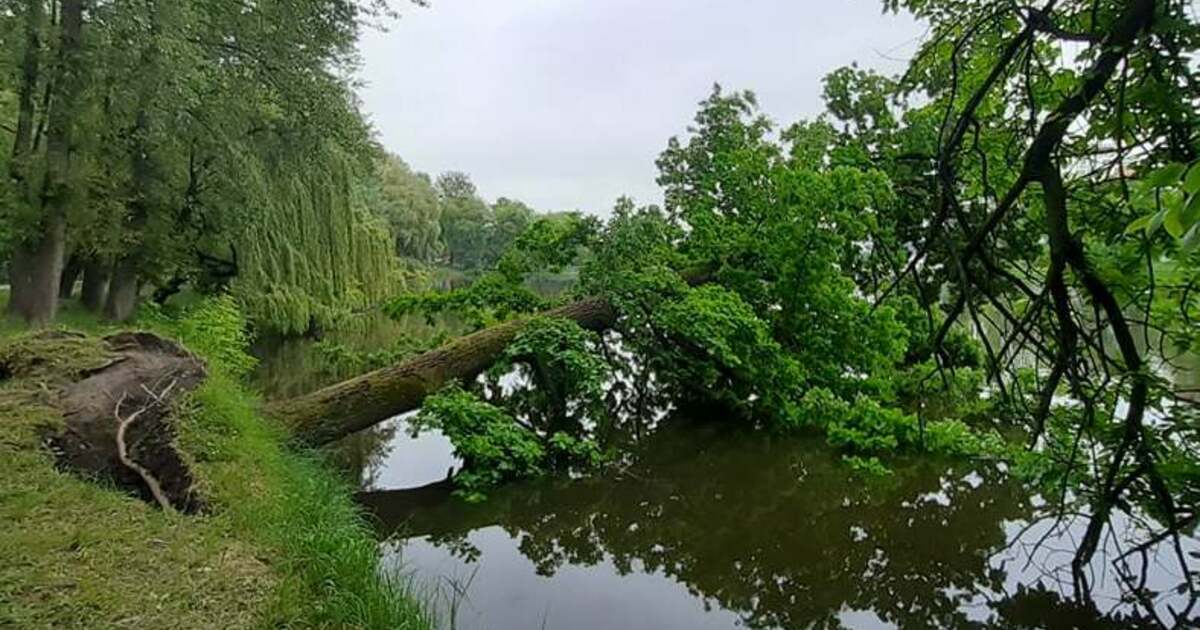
718 529
714 528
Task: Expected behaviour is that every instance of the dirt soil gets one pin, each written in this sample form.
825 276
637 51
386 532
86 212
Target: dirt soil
117 419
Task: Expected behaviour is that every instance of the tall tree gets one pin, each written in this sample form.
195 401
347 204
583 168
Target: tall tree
509 219
466 220
150 150
409 202
1088 151
37 255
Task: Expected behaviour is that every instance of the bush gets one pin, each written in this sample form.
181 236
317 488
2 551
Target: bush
213 328
869 427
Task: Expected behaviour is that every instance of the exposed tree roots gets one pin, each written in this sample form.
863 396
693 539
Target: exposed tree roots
118 420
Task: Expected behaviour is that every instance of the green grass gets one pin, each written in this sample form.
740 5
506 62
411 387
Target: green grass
282 546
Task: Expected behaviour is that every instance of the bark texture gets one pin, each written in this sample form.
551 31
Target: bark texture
70 273
358 403
95 284
36 268
37 261
122 291
19 162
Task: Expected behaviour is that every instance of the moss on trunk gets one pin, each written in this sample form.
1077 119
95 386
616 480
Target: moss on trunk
355 404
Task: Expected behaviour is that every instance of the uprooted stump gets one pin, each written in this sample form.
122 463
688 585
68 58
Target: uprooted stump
118 420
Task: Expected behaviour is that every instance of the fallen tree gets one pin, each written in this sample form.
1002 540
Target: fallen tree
352 405
349 406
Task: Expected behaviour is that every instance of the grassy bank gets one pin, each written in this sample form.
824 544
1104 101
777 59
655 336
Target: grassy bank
281 546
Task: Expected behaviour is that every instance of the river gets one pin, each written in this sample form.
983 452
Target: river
712 527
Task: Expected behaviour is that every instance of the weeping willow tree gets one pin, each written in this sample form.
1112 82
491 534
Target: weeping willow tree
161 147
313 253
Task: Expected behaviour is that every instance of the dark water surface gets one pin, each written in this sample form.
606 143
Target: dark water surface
709 527
720 529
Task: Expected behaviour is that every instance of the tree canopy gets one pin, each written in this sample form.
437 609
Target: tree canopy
1000 242
213 146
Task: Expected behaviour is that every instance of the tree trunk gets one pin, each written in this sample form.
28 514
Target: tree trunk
30 58
122 291
37 259
18 165
344 408
352 405
16 283
125 282
70 273
95 284
36 268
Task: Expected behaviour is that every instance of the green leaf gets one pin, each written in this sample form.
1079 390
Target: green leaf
1139 224
1191 210
1191 183
1191 240
1144 199
1173 219
1165 176
1156 222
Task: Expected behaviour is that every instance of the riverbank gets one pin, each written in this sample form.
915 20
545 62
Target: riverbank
280 545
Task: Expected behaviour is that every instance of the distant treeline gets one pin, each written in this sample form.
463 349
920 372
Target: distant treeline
444 221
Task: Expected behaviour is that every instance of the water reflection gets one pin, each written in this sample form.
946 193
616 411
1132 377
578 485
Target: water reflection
291 366
711 529
717 529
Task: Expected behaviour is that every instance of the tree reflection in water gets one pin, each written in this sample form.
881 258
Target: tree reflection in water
774 530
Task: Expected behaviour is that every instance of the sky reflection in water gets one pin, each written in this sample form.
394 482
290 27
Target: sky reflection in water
721 529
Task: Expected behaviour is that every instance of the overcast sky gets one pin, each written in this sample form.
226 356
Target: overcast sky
564 104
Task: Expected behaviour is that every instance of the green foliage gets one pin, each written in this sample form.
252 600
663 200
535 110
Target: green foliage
493 447
779 233
778 333
867 466
633 261
490 299
717 348
549 420
207 141
510 219
215 328
549 243
957 438
782 336
565 378
464 220
1171 195
1063 216
409 203
1175 438
866 426
944 392
1053 466
569 450
343 359
476 234
316 255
